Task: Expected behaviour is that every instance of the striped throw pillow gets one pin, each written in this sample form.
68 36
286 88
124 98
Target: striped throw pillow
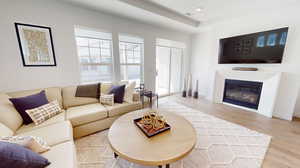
36 144
107 99
45 112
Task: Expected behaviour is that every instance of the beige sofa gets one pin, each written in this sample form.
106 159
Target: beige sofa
81 116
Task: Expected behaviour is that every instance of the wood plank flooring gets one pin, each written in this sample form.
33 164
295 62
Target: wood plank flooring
284 150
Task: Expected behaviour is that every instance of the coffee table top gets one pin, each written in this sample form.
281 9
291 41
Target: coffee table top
130 143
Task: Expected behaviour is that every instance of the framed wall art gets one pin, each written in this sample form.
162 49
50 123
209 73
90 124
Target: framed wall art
36 45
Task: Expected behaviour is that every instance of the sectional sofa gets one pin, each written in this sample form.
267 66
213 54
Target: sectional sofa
81 117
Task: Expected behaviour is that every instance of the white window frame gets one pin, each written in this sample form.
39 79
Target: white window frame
100 48
141 64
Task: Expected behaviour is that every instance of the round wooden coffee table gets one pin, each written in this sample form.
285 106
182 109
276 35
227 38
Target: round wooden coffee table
129 142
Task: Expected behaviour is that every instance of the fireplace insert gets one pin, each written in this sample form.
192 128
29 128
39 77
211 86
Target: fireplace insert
242 93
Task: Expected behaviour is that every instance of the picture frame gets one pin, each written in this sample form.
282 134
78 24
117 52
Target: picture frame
36 45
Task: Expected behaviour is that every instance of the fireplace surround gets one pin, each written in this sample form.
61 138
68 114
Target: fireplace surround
242 93
272 101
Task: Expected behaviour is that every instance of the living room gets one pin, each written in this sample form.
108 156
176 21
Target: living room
79 77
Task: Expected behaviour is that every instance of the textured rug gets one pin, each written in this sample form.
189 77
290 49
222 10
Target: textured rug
220 144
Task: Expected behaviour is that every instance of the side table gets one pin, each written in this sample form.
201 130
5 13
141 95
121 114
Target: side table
150 95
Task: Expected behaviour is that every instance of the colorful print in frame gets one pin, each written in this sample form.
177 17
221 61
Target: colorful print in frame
36 45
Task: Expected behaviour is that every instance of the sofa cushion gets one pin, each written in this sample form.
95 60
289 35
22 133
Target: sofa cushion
70 100
86 113
118 109
29 102
9 115
53 134
62 155
5 131
56 119
52 93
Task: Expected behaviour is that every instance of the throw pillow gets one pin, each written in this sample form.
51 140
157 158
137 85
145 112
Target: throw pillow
33 143
118 92
45 112
107 99
29 102
90 90
15 156
129 90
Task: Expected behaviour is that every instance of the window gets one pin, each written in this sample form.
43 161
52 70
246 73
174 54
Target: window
95 55
131 58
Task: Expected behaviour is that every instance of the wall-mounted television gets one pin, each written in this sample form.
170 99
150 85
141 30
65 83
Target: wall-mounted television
257 48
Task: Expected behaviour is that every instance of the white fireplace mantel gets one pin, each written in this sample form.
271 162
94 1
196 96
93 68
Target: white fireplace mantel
270 80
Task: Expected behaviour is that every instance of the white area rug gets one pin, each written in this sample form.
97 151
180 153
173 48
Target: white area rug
221 144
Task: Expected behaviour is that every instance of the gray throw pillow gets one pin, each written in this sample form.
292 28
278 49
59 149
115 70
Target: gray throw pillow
90 90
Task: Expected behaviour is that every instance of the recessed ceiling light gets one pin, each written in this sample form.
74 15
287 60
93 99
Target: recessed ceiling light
199 9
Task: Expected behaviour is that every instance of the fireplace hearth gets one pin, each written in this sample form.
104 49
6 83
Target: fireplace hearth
242 93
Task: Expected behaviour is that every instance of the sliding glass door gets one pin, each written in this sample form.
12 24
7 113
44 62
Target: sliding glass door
168 67
163 70
175 80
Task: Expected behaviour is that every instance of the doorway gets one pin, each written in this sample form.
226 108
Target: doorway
168 69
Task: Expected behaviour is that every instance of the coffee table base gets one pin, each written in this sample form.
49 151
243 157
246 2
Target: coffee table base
160 166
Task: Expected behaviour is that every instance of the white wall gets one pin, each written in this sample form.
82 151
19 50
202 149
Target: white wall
205 47
62 18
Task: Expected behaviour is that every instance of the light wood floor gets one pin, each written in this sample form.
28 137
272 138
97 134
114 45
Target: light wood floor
284 151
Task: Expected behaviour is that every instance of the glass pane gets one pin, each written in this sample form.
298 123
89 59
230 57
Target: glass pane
96 73
84 59
82 41
175 83
105 44
83 52
137 48
122 46
94 43
163 70
106 56
137 57
105 52
131 73
122 56
95 55
106 59
130 58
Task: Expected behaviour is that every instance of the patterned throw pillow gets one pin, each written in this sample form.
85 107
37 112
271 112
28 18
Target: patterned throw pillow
45 112
129 90
33 143
107 99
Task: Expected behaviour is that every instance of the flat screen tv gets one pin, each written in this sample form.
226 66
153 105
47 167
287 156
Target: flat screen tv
257 48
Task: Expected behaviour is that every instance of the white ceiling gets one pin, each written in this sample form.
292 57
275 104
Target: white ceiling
175 10
217 10
117 7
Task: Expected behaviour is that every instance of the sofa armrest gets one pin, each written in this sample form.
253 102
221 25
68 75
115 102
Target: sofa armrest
136 97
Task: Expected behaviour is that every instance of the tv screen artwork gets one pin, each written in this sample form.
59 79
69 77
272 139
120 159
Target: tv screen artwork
257 48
